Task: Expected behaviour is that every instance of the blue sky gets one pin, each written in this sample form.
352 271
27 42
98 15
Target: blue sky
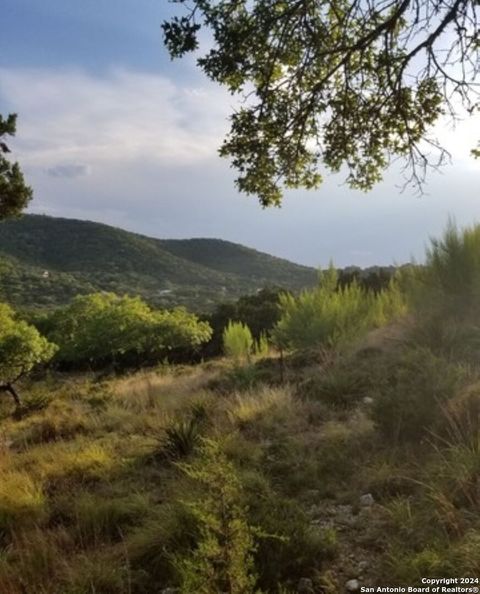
111 130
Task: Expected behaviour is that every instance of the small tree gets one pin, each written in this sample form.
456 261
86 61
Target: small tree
21 348
330 315
237 341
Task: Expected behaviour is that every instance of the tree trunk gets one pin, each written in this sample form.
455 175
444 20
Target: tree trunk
11 390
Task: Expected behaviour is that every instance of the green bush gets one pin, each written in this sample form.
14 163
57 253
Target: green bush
289 547
445 294
238 341
222 560
103 329
449 283
410 404
345 383
330 316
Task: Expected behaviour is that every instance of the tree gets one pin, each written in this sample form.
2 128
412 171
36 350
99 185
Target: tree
347 84
260 312
332 316
238 341
14 194
104 328
22 347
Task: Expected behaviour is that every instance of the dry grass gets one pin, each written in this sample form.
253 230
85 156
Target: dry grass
149 390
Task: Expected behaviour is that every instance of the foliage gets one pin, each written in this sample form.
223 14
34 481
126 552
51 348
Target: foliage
104 328
449 283
222 560
317 74
182 436
410 404
260 312
238 342
14 194
82 257
21 347
292 547
331 316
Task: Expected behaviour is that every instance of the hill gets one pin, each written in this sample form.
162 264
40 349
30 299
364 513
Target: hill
44 261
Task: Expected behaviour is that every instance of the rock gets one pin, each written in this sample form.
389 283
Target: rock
367 500
362 566
352 585
170 591
368 400
305 586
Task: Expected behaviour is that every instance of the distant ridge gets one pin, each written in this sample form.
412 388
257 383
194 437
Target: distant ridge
45 261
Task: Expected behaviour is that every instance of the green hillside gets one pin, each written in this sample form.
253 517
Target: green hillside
46 260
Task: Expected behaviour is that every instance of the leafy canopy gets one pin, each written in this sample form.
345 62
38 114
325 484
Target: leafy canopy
103 327
345 84
14 194
21 347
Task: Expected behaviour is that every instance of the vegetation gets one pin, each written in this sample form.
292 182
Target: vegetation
238 342
317 74
45 262
102 329
21 348
14 193
331 314
358 459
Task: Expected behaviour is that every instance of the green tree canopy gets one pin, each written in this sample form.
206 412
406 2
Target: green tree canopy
103 327
14 194
346 84
21 348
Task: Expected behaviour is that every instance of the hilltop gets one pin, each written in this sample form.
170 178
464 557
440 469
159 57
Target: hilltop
44 261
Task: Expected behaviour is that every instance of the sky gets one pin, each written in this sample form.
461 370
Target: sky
111 130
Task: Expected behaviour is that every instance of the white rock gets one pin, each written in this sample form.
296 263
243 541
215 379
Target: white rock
362 565
352 585
367 500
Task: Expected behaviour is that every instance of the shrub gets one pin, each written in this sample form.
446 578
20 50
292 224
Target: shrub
449 283
343 384
238 341
410 404
331 316
289 547
222 560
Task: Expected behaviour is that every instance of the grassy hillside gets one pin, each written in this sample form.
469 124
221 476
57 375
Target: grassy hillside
349 461
81 256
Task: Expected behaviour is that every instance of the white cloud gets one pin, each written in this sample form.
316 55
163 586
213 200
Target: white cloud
71 117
